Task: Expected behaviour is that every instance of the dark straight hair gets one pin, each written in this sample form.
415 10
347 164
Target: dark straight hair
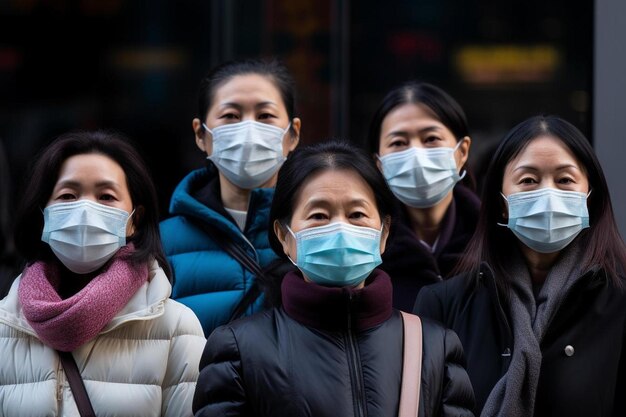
273 70
45 173
493 244
305 162
441 104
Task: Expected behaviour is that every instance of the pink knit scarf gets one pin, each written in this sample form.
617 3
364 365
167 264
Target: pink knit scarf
67 324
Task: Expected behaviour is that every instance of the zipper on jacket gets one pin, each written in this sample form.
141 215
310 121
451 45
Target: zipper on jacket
354 363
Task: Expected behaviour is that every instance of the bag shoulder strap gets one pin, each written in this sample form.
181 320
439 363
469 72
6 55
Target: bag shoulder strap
76 384
411 366
242 257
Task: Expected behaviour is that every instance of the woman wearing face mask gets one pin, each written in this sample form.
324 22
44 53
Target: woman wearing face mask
541 310
92 306
420 136
335 347
246 126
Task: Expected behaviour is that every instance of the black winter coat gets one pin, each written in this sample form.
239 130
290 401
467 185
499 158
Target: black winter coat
591 320
411 265
327 352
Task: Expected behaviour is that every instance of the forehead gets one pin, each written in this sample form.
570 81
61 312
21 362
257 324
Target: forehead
335 186
415 113
93 166
544 151
247 87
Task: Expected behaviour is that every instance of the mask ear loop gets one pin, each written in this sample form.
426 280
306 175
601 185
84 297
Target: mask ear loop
286 130
296 239
461 176
507 200
207 129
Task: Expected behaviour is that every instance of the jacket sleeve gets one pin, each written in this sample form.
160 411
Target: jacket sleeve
428 304
181 373
220 390
458 395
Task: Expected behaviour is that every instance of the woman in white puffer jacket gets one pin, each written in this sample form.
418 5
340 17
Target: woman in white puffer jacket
96 285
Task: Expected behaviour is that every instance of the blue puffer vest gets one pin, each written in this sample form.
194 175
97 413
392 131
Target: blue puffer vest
206 278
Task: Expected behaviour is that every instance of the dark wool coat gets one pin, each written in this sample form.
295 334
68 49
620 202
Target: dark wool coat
583 372
327 352
411 265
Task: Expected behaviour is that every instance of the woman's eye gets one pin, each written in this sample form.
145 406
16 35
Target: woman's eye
566 180
397 143
229 116
431 139
265 116
527 180
66 196
317 216
107 197
357 215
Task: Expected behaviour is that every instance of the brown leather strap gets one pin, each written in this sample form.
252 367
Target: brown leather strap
411 366
76 384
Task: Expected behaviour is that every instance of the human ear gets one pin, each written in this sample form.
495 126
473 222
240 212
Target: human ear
204 143
385 233
294 134
281 235
463 149
134 220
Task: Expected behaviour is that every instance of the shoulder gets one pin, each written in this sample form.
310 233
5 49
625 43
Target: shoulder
453 288
194 180
245 335
466 199
444 300
442 343
181 319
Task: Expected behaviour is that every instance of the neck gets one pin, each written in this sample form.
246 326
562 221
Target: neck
426 222
233 197
236 198
539 264
72 283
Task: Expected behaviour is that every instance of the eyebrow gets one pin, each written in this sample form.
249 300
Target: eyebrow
324 202
77 184
421 131
239 106
534 168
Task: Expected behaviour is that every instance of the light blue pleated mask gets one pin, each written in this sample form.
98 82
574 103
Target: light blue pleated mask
338 254
547 220
420 177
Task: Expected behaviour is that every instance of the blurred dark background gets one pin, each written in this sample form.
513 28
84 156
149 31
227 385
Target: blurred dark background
135 66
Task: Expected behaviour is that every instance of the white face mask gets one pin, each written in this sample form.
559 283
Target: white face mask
547 220
84 235
421 177
247 153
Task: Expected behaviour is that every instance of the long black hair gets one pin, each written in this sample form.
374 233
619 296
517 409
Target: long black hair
493 244
45 173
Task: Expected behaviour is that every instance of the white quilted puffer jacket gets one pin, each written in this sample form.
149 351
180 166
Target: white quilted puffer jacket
143 363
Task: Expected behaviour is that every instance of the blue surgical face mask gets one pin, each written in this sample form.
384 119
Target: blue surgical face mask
83 234
547 220
338 254
421 177
248 153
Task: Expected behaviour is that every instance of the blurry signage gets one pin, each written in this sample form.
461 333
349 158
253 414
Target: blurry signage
505 64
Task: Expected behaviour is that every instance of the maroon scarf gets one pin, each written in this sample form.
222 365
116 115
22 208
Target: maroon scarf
330 308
